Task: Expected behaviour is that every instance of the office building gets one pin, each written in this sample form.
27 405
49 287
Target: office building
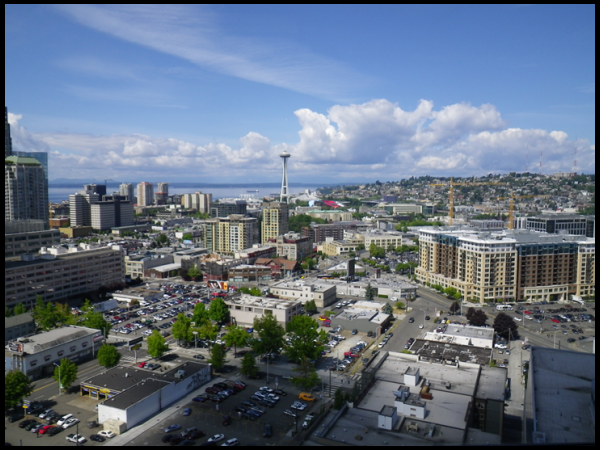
247 307
145 194
319 233
25 189
198 201
323 294
341 247
27 236
81 209
331 215
127 190
562 224
114 211
292 246
162 193
226 209
410 208
35 355
7 139
74 272
275 220
508 265
99 189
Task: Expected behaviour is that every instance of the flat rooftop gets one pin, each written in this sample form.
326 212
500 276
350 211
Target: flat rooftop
469 331
356 314
58 336
135 393
445 349
563 387
263 302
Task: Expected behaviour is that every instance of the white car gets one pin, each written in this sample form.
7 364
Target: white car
518 319
76 439
381 344
107 434
70 422
421 325
216 438
230 443
63 419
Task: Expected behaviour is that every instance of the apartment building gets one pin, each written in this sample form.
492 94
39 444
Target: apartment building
145 194
275 220
27 236
330 216
292 246
508 265
114 211
229 234
80 207
384 239
318 233
127 190
341 247
324 294
198 201
57 273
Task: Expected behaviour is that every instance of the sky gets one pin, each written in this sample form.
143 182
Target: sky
354 93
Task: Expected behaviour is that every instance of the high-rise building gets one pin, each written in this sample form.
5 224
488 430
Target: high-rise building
145 194
161 195
275 220
99 189
113 211
229 234
25 189
164 188
127 190
7 139
80 207
226 209
508 265
42 157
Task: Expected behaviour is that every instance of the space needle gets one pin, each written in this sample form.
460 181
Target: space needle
284 181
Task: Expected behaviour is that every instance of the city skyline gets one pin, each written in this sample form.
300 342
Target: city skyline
354 94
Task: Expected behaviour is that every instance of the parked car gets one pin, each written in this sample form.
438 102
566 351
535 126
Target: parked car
230 442
216 438
97 438
76 439
107 434
70 422
172 428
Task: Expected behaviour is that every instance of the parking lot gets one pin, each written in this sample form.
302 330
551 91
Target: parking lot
208 417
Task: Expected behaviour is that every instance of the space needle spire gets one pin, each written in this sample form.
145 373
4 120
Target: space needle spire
284 181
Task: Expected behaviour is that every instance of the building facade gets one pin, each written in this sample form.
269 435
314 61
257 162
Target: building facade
18 326
275 220
322 294
114 211
198 201
292 246
25 189
229 234
59 273
127 190
246 308
507 266
80 210
27 237
331 216
226 209
562 223
7 138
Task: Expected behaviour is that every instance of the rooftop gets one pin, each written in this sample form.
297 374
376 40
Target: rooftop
17 320
58 336
446 349
469 331
262 302
563 385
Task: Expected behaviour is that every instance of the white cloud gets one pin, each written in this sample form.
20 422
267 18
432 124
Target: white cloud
376 139
191 33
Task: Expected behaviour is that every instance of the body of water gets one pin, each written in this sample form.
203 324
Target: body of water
59 192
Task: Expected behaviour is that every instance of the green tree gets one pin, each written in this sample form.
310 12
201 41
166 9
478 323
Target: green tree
19 309
217 357
44 314
182 328
236 336
156 345
65 374
187 237
454 307
387 309
270 335
370 292
309 264
307 338
17 386
7 311
194 273
200 315
476 317
162 239
400 305
376 252
254 291
249 367
96 320
299 221
218 310
108 356
306 375
505 326
338 399
310 306
208 331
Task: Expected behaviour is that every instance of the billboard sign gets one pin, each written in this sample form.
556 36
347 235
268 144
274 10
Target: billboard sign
137 340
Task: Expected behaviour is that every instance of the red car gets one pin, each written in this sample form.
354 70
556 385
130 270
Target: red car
555 321
142 364
45 429
527 312
353 355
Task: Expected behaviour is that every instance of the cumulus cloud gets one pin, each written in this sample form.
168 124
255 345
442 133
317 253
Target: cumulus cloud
376 139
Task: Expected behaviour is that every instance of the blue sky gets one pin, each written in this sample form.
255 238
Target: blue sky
354 93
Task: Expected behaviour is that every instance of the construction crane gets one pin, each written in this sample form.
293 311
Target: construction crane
511 208
451 193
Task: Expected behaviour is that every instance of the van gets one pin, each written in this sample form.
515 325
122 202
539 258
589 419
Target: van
267 430
306 397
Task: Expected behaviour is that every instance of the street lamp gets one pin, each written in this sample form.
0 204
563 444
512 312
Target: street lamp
195 333
59 378
554 338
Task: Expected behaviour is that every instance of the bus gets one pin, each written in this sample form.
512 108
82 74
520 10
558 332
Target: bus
504 307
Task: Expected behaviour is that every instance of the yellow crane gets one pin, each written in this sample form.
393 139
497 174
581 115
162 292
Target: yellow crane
451 193
511 208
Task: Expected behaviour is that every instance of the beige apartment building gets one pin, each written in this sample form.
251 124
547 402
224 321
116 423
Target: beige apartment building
58 273
508 265
331 216
292 246
229 234
275 220
343 247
